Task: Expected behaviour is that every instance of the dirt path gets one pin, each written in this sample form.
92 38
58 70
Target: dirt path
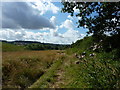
60 74
58 80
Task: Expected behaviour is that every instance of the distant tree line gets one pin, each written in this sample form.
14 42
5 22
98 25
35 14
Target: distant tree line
35 46
32 45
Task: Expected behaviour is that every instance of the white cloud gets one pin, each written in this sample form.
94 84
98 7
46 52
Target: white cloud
74 17
53 20
45 5
79 18
47 37
21 15
70 17
68 24
73 35
76 10
9 34
53 32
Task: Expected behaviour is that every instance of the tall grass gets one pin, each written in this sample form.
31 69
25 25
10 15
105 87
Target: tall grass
22 69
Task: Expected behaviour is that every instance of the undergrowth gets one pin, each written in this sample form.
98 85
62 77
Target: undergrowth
99 71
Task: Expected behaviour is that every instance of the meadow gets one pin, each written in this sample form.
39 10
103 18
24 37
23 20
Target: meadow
63 68
23 68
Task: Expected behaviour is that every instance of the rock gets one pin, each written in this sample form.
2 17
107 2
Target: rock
82 56
91 47
75 54
78 56
92 55
84 53
77 62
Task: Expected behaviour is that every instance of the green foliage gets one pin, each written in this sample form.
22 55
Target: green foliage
108 43
103 72
100 71
96 16
45 47
33 46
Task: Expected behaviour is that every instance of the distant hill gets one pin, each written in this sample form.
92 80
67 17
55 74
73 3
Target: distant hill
30 45
29 42
19 42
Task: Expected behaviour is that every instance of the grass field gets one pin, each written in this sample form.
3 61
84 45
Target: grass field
22 69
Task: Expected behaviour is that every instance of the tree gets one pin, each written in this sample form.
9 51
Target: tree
98 17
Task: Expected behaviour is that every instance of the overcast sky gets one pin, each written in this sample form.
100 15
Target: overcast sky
39 21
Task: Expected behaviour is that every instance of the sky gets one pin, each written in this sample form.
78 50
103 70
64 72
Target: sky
40 21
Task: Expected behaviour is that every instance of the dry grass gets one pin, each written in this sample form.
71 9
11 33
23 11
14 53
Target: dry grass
21 69
38 54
